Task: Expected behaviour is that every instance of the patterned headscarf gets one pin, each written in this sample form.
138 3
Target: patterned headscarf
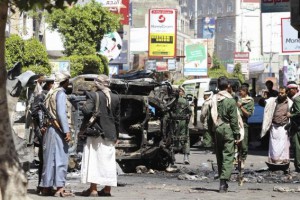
102 83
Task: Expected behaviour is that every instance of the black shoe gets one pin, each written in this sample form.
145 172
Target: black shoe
223 186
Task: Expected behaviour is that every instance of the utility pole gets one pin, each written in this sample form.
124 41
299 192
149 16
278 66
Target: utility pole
196 19
242 13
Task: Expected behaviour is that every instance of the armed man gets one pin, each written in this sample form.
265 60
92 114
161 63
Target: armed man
56 138
38 119
182 132
226 125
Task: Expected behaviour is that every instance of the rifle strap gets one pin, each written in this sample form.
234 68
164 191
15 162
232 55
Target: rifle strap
93 118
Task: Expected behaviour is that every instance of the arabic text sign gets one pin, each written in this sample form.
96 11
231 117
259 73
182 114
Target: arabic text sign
275 6
162 32
118 7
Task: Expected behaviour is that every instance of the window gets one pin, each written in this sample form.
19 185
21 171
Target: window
220 47
210 9
219 8
230 27
229 6
200 11
219 28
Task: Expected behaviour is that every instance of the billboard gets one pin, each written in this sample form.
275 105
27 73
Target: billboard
60 66
162 33
119 7
111 45
275 6
208 29
195 61
290 43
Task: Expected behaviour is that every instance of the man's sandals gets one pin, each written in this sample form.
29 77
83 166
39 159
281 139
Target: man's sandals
64 193
89 193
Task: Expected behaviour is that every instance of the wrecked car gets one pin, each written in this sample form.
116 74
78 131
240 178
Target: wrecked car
147 125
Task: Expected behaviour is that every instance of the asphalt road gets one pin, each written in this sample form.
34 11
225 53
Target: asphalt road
201 183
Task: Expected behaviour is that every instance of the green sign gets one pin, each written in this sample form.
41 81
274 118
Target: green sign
195 52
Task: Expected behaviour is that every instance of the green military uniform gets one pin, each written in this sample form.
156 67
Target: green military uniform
295 117
183 130
248 104
207 136
226 132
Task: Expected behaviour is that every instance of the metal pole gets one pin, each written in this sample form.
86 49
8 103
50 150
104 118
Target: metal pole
196 19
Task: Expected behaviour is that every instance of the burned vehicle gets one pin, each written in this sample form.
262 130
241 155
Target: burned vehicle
147 122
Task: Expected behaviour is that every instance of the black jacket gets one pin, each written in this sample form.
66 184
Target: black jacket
109 118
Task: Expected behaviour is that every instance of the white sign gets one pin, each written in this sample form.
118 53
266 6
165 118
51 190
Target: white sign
111 45
289 40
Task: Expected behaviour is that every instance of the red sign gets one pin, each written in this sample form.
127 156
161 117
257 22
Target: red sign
161 66
119 7
241 55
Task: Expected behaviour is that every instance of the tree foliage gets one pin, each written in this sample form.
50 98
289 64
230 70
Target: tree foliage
237 72
83 27
217 69
14 49
31 53
88 64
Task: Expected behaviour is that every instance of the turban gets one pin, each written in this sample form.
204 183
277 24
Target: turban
62 76
181 88
103 79
292 85
208 93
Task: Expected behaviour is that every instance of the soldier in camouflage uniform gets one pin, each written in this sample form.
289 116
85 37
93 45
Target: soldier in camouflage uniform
182 125
205 113
225 122
246 108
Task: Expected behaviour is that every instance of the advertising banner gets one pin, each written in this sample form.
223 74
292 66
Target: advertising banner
119 7
290 43
162 32
161 66
60 66
195 61
208 30
275 6
111 45
243 59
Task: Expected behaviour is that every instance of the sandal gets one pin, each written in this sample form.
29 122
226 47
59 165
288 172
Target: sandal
64 194
89 193
101 193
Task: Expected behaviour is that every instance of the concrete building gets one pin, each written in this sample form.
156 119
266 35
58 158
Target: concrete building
236 29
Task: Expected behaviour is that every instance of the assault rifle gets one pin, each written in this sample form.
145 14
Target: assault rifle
51 118
239 158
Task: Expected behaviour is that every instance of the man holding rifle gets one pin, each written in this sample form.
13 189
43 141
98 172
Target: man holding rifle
56 138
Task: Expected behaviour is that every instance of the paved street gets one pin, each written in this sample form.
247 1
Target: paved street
163 185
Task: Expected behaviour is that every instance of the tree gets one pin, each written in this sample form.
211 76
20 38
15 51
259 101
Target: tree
31 53
35 57
218 69
237 72
89 64
14 48
13 181
83 27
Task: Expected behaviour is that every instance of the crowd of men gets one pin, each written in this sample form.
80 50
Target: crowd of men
52 133
224 116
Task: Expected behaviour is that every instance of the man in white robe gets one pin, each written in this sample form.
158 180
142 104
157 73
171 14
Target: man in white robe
275 119
98 161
